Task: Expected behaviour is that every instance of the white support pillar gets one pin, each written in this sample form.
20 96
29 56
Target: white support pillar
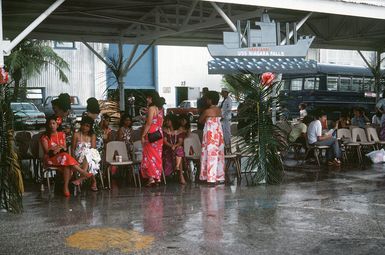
33 25
297 27
228 20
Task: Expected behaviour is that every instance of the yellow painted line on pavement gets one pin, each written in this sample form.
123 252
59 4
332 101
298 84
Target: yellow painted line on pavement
106 239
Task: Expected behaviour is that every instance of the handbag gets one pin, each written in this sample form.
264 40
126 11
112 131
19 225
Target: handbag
154 136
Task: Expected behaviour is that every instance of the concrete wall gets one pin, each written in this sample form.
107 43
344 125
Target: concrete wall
185 66
86 77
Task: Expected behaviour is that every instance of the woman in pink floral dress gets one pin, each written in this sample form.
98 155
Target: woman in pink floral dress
151 166
213 155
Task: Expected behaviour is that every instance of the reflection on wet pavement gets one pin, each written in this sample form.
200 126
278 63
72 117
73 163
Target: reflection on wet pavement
313 212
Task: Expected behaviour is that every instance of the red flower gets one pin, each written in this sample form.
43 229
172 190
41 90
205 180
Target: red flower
3 76
267 79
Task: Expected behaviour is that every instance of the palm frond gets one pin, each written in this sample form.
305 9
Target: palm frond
260 137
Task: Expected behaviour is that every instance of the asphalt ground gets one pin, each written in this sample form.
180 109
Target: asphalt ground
315 211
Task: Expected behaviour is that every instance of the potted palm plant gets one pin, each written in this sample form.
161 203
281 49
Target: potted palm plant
11 182
259 136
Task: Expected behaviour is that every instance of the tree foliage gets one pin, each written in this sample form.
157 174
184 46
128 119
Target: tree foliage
259 137
29 58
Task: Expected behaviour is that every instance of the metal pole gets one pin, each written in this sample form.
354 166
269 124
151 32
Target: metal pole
122 106
227 19
33 25
299 25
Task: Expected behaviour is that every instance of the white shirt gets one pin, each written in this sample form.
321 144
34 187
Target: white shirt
226 108
313 131
302 113
376 121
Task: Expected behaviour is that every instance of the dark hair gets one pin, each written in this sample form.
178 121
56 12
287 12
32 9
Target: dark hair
319 114
213 96
174 120
188 124
156 100
205 89
63 102
303 105
123 119
48 130
307 119
106 117
93 105
90 121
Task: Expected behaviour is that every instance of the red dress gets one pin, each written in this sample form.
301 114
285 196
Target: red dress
62 158
151 166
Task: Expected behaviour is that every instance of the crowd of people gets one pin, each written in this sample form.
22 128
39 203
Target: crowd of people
71 149
315 129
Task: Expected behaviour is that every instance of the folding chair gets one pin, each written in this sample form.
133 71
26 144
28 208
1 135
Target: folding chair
233 158
121 149
317 149
48 171
358 135
372 135
345 137
192 150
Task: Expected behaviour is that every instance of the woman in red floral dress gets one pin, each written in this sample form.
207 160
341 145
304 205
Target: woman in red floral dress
151 166
55 155
213 149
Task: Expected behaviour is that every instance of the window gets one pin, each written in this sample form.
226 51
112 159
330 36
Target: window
64 45
332 83
345 84
296 84
358 84
368 84
311 83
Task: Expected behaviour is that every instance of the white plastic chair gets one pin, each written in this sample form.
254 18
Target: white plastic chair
372 135
192 150
49 171
358 135
121 149
345 136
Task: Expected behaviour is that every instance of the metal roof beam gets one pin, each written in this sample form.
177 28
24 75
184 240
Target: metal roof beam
322 6
32 26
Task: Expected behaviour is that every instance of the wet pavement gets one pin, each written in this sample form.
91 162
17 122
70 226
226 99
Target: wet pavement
314 212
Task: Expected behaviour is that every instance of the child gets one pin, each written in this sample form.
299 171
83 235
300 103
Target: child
173 148
125 132
84 150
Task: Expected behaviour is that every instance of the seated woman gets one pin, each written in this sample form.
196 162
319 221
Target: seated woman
84 150
184 125
125 132
173 147
55 155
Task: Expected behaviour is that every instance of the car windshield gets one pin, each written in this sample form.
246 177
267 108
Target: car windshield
16 107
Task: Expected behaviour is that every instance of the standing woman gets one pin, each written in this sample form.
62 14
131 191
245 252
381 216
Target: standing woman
54 146
213 148
152 140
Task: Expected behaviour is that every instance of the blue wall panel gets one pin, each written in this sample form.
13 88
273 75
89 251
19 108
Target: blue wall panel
141 76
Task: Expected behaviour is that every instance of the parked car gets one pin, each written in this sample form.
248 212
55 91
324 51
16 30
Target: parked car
76 107
186 107
26 115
